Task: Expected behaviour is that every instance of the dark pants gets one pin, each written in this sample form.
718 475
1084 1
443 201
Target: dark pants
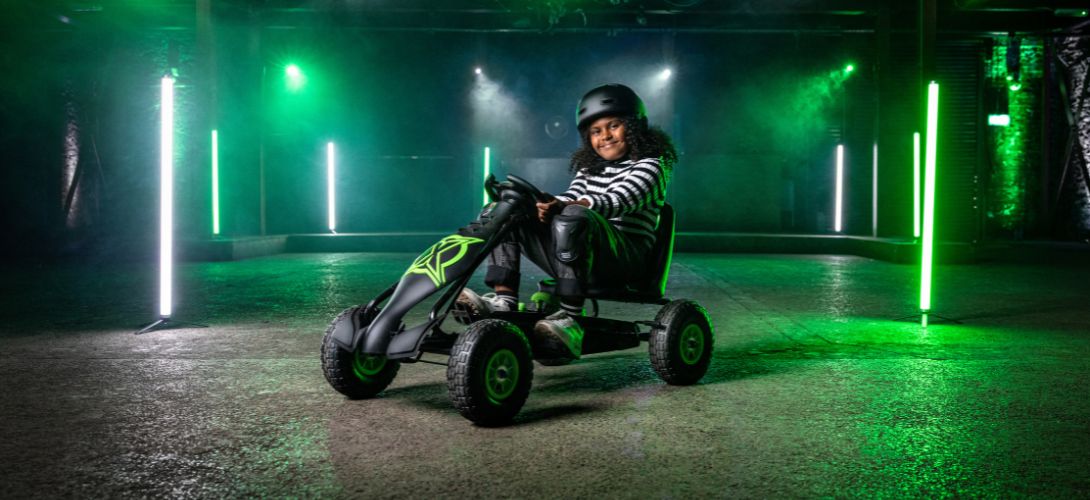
607 256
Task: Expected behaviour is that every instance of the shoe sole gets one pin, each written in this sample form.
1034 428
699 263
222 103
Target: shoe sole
466 312
552 341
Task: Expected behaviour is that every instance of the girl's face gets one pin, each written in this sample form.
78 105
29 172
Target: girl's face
607 138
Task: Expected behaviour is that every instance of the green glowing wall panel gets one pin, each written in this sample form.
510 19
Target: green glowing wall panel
1014 150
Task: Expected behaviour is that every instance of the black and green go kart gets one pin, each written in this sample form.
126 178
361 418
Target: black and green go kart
490 363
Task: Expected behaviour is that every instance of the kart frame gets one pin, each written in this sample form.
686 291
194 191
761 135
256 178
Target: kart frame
378 330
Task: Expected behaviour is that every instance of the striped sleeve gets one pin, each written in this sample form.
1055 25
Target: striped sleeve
642 185
577 188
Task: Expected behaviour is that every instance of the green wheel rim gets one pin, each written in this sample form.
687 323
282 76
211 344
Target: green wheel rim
501 375
366 366
691 344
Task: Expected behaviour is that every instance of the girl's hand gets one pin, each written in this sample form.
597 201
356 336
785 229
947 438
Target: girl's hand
545 211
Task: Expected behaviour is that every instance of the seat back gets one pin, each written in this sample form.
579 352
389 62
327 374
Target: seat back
658 260
652 288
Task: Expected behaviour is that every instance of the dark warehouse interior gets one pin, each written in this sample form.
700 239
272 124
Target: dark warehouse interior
878 253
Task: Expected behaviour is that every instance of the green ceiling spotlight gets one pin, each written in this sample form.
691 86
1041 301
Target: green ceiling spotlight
295 77
1014 84
849 68
1013 62
1071 12
931 148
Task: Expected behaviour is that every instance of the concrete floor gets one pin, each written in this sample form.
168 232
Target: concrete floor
815 389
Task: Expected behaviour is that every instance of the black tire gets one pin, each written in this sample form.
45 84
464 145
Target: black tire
490 372
681 344
353 374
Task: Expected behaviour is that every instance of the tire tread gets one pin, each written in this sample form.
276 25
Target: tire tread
337 367
471 347
671 319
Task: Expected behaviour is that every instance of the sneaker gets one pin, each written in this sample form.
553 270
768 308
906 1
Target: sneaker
558 332
479 306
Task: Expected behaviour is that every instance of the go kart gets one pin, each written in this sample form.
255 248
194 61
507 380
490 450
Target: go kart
490 363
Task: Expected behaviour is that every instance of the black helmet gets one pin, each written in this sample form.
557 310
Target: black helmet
613 99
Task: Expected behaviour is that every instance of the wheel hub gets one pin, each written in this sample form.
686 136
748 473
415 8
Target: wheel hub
691 344
501 375
366 366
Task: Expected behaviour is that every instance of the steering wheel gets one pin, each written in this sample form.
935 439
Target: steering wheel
525 186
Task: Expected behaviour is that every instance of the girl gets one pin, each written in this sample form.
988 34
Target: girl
599 230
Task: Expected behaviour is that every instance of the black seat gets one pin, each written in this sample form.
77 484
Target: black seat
653 285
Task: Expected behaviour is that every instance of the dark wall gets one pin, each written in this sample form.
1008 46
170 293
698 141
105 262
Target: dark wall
755 116
80 134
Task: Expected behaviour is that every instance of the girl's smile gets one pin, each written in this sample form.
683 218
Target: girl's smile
607 138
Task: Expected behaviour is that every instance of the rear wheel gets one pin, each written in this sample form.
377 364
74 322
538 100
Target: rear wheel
490 372
354 374
681 343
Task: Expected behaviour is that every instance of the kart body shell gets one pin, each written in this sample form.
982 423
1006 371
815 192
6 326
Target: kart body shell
489 364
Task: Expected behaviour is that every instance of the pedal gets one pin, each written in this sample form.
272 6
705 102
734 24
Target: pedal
461 315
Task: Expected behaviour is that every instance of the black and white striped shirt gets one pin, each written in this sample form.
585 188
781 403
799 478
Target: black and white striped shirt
630 194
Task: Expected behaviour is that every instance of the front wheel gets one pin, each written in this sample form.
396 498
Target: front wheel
354 374
681 342
490 372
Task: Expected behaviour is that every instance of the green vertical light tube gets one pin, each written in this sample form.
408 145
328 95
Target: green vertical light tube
929 198
839 187
487 170
166 197
215 184
331 170
916 185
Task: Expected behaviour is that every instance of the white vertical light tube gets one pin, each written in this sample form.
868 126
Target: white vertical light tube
916 185
487 170
874 193
166 197
839 187
330 184
215 183
930 150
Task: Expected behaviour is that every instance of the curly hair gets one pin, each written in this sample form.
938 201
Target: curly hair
642 141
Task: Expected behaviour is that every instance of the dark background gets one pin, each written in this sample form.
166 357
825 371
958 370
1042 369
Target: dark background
756 104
